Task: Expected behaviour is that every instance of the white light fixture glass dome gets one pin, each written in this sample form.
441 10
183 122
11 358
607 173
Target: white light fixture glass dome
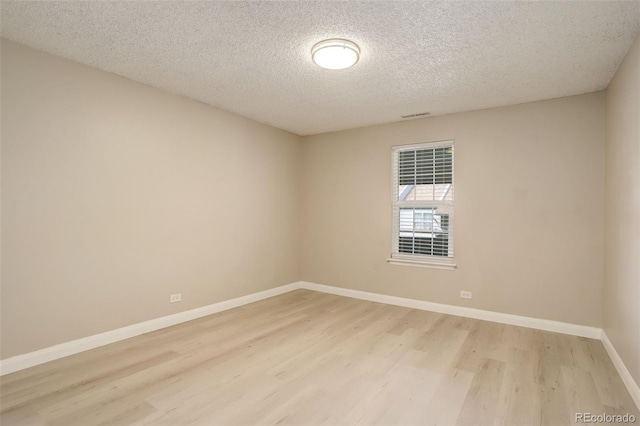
335 54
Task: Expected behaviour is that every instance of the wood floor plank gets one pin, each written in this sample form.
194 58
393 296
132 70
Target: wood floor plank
482 402
446 405
520 397
580 392
308 358
65 392
549 379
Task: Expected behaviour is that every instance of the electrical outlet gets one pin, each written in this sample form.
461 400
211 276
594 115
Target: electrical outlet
466 294
175 298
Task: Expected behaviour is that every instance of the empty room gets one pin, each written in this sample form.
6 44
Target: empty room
320 213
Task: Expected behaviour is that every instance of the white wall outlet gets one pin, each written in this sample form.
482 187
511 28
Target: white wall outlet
466 295
175 298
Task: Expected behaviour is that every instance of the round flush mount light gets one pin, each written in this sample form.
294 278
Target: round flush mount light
335 54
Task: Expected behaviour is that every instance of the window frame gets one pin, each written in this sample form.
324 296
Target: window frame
420 260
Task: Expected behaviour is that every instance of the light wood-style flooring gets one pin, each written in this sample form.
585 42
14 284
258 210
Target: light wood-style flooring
306 358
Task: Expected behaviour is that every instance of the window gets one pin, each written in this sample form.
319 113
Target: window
423 204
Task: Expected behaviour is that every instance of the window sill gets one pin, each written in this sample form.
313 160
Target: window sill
421 263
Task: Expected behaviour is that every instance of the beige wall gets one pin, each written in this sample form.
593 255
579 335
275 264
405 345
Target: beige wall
621 293
529 209
116 194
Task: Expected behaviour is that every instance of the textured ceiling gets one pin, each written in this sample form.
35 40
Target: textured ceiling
253 58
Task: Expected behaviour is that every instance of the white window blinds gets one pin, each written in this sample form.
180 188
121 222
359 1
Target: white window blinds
423 187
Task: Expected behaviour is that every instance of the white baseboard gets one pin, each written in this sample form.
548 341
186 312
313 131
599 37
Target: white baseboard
62 350
461 311
632 386
536 323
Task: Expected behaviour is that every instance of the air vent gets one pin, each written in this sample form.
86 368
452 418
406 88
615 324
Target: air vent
420 114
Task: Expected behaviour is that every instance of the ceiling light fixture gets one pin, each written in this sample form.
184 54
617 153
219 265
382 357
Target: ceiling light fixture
335 54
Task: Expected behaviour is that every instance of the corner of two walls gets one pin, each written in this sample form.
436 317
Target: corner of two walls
116 195
621 291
